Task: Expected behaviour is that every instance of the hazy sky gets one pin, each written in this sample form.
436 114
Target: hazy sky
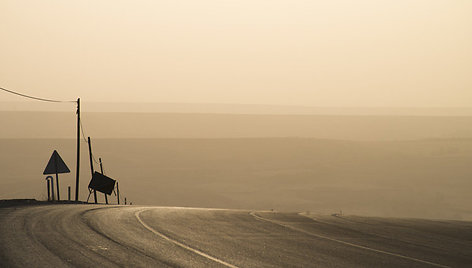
294 52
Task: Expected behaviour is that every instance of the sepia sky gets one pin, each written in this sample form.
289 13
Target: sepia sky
415 53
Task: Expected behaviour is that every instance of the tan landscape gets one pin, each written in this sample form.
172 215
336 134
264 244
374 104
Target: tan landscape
236 133
392 166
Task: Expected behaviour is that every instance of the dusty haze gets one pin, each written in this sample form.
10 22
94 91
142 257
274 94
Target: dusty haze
409 166
361 106
314 53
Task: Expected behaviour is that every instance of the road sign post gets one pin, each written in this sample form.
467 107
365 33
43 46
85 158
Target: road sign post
57 177
55 166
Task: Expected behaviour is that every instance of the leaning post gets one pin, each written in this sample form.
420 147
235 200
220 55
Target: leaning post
118 193
101 168
91 167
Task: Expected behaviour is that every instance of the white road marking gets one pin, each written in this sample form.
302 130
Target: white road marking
346 243
180 244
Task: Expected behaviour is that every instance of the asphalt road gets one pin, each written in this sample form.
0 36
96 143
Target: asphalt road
131 236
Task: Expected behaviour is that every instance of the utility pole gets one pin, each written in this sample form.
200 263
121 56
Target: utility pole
101 168
78 153
91 167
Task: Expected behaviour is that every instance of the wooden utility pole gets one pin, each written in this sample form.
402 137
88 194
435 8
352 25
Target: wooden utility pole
91 167
101 168
78 153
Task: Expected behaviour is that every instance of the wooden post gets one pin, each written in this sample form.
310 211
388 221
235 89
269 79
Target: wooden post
125 200
49 191
118 193
78 153
91 167
101 168
68 192
101 165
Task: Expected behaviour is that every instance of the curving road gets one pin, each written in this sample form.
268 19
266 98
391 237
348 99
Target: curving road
109 236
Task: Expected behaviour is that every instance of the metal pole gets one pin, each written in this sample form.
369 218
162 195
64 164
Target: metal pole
118 193
57 185
78 153
52 188
49 191
91 167
101 168
57 178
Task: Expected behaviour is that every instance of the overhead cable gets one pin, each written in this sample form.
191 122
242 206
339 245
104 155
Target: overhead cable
31 97
86 140
82 130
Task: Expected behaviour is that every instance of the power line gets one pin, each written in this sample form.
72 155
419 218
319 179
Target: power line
95 160
59 101
82 130
31 97
86 140
56 101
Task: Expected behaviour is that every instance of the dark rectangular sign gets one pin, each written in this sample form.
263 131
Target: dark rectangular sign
102 183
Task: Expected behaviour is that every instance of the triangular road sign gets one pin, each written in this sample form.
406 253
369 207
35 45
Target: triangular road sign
56 165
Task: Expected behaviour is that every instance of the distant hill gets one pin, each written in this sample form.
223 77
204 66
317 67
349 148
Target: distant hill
228 108
200 125
421 179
